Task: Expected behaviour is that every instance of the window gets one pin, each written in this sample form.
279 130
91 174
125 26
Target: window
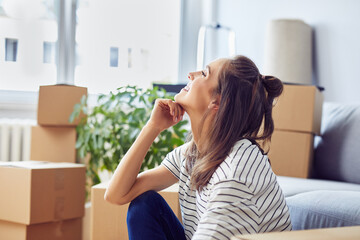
116 43
49 52
125 42
114 56
11 49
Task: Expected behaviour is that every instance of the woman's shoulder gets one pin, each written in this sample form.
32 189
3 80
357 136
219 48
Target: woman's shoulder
243 151
175 160
179 151
243 161
182 148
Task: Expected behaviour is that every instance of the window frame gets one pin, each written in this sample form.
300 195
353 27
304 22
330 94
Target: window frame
20 104
23 104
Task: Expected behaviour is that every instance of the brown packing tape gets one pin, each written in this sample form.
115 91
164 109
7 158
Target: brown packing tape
59 179
59 231
59 208
59 201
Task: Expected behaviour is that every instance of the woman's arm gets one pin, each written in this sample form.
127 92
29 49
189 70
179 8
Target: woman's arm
126 184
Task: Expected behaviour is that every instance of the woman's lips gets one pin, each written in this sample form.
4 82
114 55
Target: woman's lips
187 87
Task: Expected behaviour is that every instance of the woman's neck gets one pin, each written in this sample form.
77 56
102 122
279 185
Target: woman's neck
195 128
200 128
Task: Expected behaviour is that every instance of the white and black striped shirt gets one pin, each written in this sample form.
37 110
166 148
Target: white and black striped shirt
241 197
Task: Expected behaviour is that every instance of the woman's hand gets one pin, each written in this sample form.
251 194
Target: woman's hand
165 114
126 183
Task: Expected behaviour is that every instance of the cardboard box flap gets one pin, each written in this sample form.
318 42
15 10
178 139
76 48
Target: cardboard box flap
40 165
101 185
320 88
172 188
63 84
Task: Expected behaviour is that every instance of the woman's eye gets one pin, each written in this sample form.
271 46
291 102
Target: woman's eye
203 73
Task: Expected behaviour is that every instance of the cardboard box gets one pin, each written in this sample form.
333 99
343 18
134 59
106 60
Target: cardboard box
38 192
108 221
54 144
61 230
348 233
291 153
299 108
56 103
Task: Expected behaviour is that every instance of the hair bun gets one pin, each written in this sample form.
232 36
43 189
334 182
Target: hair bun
273 86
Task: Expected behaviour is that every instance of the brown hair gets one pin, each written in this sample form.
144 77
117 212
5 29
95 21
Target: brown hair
245 112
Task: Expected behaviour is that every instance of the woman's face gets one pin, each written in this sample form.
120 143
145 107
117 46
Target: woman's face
198 93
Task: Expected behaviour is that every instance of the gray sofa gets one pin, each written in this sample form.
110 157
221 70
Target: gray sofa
331 197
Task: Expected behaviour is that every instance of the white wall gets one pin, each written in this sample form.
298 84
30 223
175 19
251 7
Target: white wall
336 25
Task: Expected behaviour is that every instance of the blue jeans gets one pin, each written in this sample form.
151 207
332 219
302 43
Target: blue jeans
150 217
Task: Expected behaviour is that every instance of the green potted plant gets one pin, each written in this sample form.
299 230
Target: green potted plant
113 125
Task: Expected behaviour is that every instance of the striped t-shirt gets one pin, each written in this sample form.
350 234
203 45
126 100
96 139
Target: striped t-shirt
242 196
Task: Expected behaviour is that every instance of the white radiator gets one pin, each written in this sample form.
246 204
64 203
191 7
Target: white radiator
15 139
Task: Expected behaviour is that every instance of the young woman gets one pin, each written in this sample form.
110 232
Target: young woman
226 183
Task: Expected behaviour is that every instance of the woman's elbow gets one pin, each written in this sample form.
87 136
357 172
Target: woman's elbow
108 197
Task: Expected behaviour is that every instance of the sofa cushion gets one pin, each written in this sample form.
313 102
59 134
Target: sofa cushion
292 186
337 153
324 209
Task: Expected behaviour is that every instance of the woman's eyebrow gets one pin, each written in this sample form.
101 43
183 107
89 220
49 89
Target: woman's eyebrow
208 67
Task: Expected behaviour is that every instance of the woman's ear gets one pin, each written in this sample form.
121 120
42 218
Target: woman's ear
214 104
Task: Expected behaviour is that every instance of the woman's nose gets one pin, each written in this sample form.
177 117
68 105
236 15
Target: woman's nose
191 76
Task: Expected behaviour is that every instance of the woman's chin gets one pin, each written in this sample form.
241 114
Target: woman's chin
179 100
178 96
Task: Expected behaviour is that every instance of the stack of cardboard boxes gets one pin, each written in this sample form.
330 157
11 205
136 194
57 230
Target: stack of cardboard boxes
297 119
41 200
54 138
45 199
108 221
